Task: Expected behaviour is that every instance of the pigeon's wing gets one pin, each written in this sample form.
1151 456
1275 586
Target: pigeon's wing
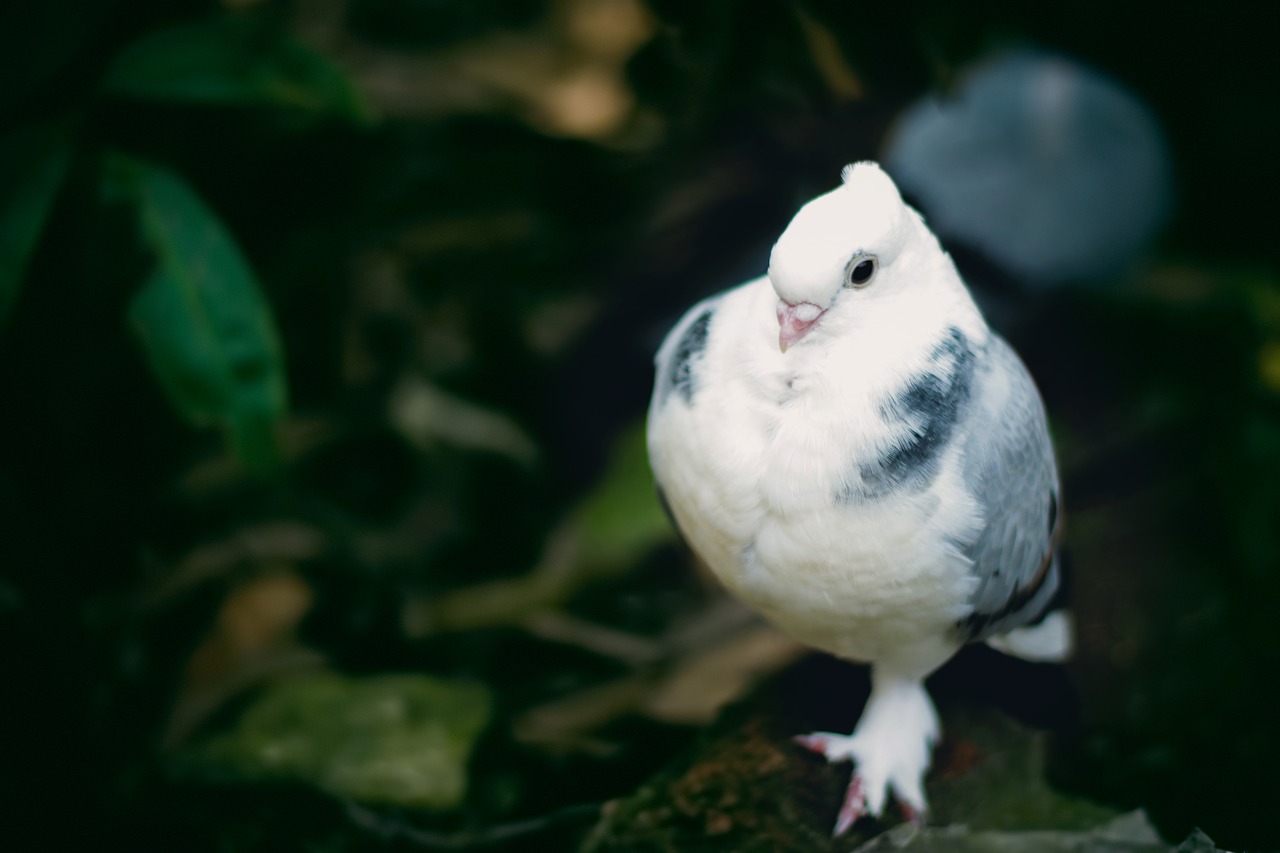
681 354
677 373
1009 469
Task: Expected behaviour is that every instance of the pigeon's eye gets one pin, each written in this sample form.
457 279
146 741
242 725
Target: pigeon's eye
862 271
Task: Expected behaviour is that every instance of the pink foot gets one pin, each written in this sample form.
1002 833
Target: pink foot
857 803
889 748
834 747
853 807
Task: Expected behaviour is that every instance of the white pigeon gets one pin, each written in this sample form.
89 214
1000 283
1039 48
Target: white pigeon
855 454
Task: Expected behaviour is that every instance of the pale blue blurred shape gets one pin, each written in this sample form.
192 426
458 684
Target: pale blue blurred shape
1051 169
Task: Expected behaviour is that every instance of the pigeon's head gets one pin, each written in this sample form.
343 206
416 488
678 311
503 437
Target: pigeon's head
840 247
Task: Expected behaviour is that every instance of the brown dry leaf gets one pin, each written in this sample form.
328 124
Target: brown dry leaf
709 679
572 83
565 724
427 416
841 79
602 640
611 30
550 328
252 638
565 76
588 103
261 612
684 677
280 541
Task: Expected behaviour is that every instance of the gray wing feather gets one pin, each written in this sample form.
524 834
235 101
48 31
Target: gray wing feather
1009 469
681 352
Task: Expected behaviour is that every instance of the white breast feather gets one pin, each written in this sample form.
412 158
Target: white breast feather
751 481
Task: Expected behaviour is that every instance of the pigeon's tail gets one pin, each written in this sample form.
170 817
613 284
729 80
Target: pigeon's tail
1050 637
1051 640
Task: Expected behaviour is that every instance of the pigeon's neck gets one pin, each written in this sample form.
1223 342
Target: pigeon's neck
868 354
839 384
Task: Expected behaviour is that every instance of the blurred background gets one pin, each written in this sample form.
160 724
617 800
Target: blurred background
325 340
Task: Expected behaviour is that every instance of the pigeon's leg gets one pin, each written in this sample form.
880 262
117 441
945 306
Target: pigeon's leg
890 748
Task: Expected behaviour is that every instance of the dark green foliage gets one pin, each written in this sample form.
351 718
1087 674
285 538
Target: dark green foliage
204 323
201 317
230 61
400 740
34 162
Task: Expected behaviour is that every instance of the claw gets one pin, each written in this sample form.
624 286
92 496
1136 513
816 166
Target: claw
853 807
910 813
890 750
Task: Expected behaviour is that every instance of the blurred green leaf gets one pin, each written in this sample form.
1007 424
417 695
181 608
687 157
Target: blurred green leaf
37 161
608 532
233 61
621 518
201 316
396 739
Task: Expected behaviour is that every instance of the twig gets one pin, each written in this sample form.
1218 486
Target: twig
389 829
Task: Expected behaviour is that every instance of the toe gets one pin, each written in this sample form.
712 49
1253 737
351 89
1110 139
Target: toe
853 807
829 745
816 742
907 785
912 814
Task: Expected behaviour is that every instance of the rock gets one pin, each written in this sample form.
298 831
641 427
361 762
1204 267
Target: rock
1197 842
746 787
1128 833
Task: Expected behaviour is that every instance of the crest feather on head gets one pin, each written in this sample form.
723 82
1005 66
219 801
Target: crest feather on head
864 215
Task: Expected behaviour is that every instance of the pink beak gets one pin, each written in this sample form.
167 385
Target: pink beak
795 321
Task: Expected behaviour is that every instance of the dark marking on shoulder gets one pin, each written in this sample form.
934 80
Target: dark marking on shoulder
1053 514
932 403
691 343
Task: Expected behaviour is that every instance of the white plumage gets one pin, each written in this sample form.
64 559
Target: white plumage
857 456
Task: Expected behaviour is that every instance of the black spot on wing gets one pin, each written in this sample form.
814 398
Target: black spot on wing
1026 605
691 344
932 403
